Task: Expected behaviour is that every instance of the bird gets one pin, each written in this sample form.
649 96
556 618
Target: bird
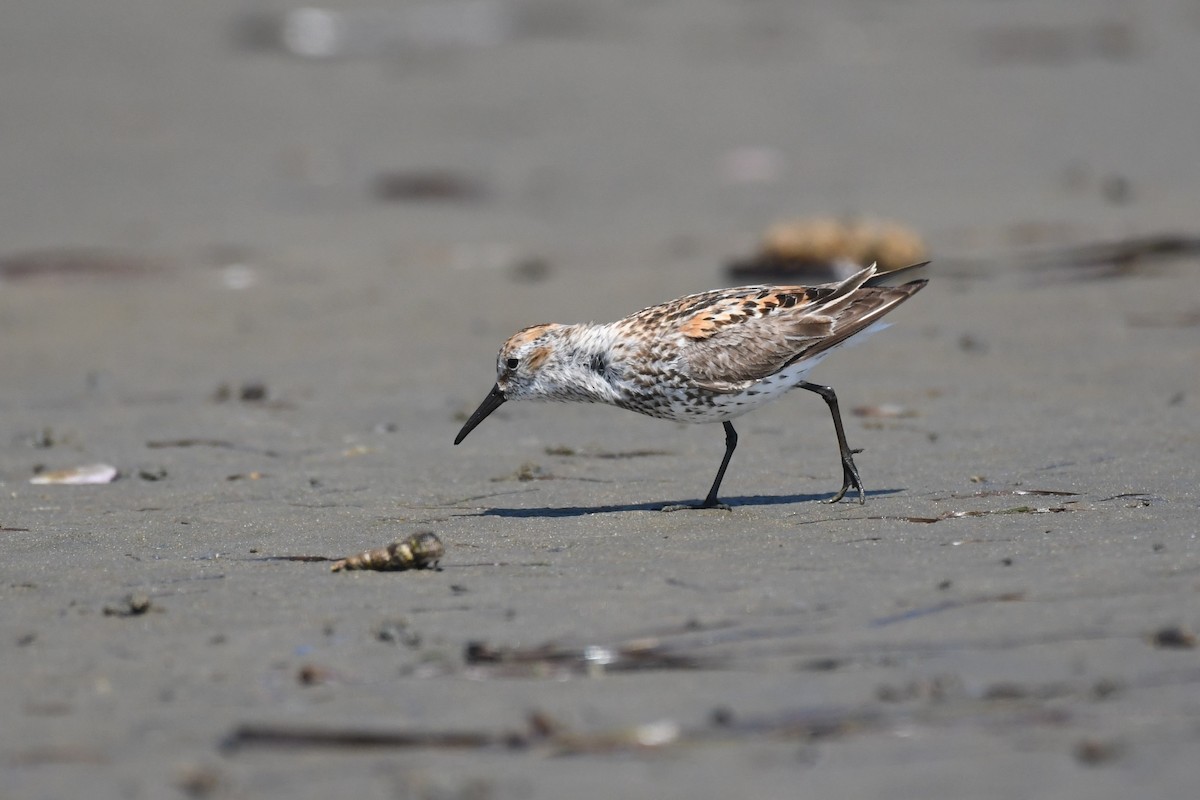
707 357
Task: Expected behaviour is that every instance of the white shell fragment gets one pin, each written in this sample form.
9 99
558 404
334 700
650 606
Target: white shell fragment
92 473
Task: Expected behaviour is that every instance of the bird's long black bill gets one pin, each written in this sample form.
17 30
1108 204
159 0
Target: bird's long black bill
490 403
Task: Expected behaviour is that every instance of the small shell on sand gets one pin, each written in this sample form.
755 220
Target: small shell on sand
92 473
422 550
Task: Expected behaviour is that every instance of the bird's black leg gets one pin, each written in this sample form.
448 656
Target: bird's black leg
849 471
730 443
711 501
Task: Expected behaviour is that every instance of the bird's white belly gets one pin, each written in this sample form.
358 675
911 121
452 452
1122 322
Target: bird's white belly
721 407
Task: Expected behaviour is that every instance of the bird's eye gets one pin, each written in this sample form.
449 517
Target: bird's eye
512 363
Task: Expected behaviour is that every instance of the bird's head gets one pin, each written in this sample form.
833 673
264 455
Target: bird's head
520 371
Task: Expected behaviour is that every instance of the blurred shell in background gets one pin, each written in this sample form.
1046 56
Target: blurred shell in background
828 248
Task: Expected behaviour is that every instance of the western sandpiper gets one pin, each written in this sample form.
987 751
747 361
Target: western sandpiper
707 357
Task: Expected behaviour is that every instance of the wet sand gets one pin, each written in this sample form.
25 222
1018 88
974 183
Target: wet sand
188 214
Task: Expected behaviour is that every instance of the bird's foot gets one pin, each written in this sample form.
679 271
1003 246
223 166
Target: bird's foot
850 479
707 504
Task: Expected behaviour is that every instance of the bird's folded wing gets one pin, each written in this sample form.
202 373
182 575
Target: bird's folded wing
742 340
738 341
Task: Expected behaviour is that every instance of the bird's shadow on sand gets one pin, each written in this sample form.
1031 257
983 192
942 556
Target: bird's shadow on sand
736 502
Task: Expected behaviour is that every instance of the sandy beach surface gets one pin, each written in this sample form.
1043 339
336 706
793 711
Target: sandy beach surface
261 263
